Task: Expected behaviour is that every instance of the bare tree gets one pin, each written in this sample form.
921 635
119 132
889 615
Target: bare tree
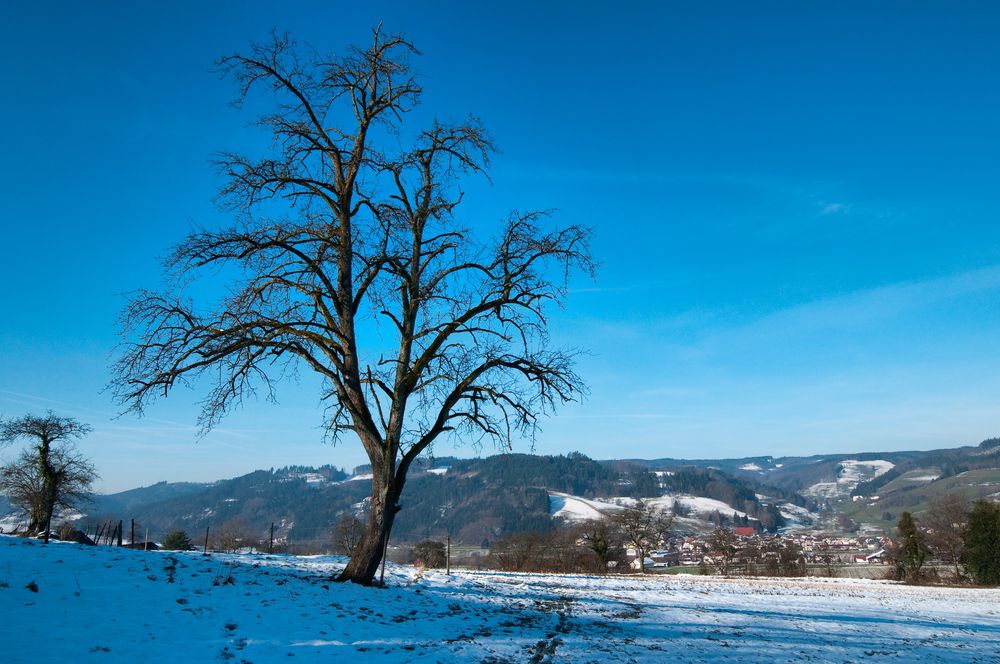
943 525
643 527
431 553
232 536
347 534
724 548
367 278
604 539
522 552
49 474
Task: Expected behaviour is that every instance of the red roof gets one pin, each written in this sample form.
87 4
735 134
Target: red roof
745 531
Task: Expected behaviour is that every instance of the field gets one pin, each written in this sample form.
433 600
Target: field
65 602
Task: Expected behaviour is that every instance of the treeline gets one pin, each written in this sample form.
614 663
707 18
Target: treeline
963 537
476 502
596 546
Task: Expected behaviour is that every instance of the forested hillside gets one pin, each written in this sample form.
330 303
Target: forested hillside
478 501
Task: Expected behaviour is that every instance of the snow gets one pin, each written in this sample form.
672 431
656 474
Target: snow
852 473
795 515
853 470
696 504
749 466
12 522
312 478
96 603
439 471
366 476
574 509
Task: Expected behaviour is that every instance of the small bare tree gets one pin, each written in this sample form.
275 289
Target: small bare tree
232 536
605 541
431 553
367 278
943 525
50 473
643 527
724 546
347 534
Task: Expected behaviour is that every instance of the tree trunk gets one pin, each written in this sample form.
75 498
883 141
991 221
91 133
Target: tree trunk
370 548
48 487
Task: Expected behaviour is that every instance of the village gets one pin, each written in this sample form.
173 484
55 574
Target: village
744 550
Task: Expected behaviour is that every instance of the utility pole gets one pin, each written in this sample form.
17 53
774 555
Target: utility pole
206 540
270 546
448 557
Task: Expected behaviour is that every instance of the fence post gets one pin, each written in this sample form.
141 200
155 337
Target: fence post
131 539
270 546
448 557
145 545
120 528
206 540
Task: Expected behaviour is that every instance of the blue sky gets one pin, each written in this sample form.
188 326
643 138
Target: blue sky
794 204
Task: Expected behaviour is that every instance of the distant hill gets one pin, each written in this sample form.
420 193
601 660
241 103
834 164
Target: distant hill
478 501
872 489
475 500
133 499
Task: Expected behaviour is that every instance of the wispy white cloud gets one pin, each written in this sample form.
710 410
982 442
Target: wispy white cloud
624 416
834 208
841 311
879 302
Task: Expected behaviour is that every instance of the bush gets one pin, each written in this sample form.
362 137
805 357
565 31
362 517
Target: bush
910 551
177 541
430 552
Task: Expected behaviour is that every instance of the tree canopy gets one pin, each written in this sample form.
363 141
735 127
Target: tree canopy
341 231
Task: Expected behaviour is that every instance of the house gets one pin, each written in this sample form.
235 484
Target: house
876 558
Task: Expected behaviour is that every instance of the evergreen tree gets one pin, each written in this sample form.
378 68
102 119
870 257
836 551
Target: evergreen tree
982 543
912 549
177 541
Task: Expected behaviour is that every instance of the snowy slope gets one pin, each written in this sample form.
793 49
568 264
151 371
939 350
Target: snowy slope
99 604
574 508
851 473
699 505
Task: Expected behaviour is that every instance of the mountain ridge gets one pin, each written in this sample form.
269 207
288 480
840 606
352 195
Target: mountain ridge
479 500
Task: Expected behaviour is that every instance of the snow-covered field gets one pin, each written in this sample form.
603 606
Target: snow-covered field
852 473
101 604
574 508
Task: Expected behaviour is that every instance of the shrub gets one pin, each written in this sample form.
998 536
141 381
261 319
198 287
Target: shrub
177 541
432 553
